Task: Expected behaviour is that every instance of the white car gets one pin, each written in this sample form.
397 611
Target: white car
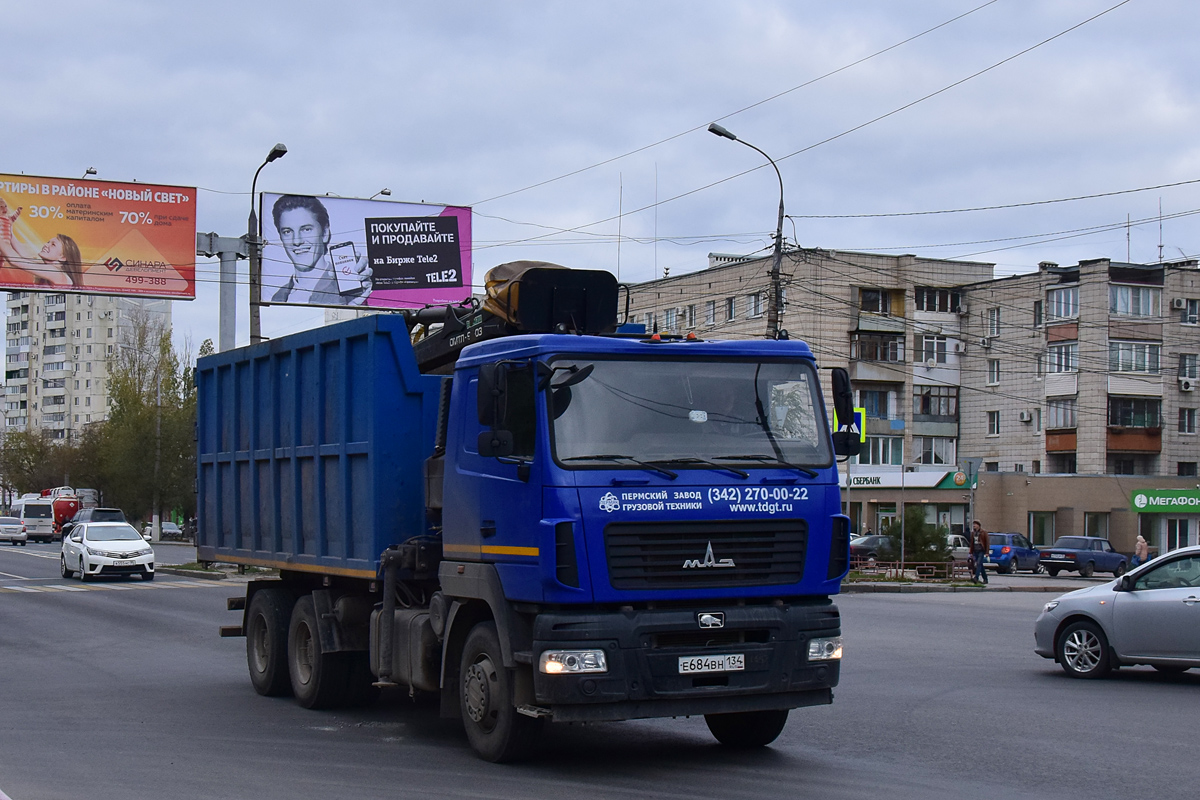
12 531
106 548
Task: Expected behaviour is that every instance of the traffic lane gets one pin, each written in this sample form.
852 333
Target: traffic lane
40 561
932 678
194 727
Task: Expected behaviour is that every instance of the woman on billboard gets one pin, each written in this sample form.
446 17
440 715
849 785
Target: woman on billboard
58 263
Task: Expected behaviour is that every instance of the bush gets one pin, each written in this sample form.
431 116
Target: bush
922 540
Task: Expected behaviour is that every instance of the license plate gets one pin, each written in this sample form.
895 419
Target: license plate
723 663
125 562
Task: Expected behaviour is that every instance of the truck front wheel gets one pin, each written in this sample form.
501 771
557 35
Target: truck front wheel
318 679
266 642
745 729
494 728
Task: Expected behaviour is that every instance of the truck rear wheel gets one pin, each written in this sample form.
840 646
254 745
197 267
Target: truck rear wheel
494 728
318 679
266 642
745 729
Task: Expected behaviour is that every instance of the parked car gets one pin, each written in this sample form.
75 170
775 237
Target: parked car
960 547
93 515
168 530
1150 616
13 532
106 548
1083 554
1009 552
869 549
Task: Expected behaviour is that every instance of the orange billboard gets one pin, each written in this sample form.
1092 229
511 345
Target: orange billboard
98 237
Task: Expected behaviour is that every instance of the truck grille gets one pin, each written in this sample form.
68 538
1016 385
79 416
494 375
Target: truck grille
672 555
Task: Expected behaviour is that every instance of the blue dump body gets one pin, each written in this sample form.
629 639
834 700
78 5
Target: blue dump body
310 448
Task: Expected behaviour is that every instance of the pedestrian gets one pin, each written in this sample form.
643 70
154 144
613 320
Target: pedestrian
1140 551
979 550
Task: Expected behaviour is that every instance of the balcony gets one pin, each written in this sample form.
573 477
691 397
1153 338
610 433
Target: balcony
879 323
1058 384
1061 441
1134 440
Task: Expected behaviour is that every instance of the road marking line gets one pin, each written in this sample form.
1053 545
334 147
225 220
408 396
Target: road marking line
21 589
16 577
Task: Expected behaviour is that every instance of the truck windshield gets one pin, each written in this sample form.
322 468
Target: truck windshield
684 412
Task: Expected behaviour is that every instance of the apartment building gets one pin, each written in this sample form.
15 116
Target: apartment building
58 347
895 321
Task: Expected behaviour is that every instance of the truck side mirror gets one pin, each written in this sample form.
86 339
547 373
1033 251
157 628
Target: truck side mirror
847 439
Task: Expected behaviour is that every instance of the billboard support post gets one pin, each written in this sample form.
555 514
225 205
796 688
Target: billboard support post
229 250
255 244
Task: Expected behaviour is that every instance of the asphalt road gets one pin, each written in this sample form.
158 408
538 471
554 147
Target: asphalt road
123 690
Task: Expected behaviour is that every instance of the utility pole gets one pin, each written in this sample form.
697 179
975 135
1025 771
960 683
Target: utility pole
229 250
775 301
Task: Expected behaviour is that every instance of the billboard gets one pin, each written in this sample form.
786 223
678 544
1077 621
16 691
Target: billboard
100 237
340 251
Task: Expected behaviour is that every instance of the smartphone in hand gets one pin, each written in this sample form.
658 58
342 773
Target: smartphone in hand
345 267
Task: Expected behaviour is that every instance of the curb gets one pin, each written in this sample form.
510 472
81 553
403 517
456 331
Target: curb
193 573
918 588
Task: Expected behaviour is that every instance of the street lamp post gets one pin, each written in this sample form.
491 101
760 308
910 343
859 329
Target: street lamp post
775 304
278 151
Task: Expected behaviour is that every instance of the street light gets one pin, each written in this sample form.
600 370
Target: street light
384 192
278 151
89 171
776 301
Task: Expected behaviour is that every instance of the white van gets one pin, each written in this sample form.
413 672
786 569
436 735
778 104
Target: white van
37 515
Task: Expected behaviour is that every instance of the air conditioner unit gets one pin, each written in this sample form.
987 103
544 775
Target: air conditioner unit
1179 304
1025 416
985 343
931 363
960 347
1187 384
963 311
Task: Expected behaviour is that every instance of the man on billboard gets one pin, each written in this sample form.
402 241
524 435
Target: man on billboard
322 273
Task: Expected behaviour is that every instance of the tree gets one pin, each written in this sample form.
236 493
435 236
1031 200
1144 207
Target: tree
923 541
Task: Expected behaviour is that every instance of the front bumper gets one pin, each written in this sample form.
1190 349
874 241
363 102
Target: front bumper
101 565
643 649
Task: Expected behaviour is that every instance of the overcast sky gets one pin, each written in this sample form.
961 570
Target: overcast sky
470 103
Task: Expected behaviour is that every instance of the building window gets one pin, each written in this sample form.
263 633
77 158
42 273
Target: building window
754 305
993 423
1037 421
1095 523
651 325
1134 357
1063 358
934 450
993 371
1018 467
875 402
691 316
991 466
1037 313
730 309
935 401
943 300
1037 467
874 347
670 319
876 301
1062 303
1189 365
1186 469
1191 313
710 312
883 450
931 348
1135 412
1124 466
1187 420
993 321
1134 301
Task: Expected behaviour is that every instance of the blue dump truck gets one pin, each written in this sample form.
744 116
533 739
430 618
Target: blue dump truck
530 515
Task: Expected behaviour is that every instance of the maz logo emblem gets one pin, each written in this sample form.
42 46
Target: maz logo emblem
708 562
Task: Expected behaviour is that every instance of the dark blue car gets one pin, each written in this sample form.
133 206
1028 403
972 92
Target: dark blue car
1009 552
1083 554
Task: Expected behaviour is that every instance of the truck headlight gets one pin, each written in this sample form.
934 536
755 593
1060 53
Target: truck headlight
828 648
557 662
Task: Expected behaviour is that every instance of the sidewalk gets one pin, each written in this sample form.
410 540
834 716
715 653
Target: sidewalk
1021 582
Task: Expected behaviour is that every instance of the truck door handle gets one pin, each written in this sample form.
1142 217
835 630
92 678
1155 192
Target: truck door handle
488 528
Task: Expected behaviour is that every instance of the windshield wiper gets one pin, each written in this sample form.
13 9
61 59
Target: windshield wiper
759 457
646 465
693 460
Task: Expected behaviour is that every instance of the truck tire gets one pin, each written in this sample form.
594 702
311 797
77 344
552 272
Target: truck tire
318 679
746 729
266 642
495 730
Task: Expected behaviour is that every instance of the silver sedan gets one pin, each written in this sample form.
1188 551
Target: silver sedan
1149 616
